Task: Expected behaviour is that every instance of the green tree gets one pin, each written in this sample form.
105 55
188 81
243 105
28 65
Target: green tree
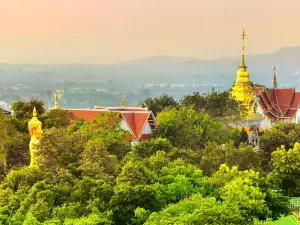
244 136
3 142
217 104
23 110
23 113
214 155
186 128
285 172
197 210
18 150
282 133
245 193
58 118
250 192
96 161
158 104
147 148
245 157
196 101
222 105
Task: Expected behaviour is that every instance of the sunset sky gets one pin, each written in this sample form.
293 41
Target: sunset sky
110 31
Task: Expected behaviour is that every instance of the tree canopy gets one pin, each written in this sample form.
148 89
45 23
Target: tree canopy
195 169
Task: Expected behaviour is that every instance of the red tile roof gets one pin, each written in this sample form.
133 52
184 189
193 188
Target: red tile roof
258 90
135 120
86 114
279 103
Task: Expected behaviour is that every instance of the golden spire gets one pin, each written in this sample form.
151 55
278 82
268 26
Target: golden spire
243 65
274 79
34 113
123 102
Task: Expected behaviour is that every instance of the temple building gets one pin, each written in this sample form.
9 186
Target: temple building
277 104
139 122
242 90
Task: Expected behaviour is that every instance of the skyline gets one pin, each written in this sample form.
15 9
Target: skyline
105 32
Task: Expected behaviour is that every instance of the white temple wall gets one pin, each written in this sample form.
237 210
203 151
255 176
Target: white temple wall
147 129
124 125
266 123
296 118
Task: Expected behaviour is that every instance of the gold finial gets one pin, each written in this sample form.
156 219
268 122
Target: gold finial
274 79
123 102
243 64
243 33
34 113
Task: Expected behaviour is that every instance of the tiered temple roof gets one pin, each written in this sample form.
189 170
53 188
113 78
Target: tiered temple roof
278 103
134 117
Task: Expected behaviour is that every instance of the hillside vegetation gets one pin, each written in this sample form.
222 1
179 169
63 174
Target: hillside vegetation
195 169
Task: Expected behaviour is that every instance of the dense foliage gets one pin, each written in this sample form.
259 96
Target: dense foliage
194 170
216 104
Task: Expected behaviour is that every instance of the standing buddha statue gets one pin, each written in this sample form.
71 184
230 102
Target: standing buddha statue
35 130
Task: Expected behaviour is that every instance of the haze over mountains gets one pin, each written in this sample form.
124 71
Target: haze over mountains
223 70
165 70
86 85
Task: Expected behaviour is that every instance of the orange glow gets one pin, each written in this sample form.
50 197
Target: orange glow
108 31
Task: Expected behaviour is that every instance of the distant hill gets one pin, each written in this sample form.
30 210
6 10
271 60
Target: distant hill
223 70
161 60
164 69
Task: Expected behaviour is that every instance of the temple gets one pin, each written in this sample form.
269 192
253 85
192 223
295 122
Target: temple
139 122
277 104
242 90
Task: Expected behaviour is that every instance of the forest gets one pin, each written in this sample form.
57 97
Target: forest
196 169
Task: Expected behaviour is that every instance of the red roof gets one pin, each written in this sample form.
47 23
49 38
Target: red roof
279 103
86 114
258 90
135 120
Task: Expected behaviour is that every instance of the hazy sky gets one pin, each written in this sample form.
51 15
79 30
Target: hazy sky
108 31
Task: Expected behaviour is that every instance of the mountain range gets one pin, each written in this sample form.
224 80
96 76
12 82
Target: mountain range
223 70
165 70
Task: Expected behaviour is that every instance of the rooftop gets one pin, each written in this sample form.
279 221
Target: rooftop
279 103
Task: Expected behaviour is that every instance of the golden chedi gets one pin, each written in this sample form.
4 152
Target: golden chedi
35 130
242 90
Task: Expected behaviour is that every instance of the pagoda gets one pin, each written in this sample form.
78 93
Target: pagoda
242 90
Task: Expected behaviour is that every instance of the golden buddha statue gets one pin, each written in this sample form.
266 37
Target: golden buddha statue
242 90
35 130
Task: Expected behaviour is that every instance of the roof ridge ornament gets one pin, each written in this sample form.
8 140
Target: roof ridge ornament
274 83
